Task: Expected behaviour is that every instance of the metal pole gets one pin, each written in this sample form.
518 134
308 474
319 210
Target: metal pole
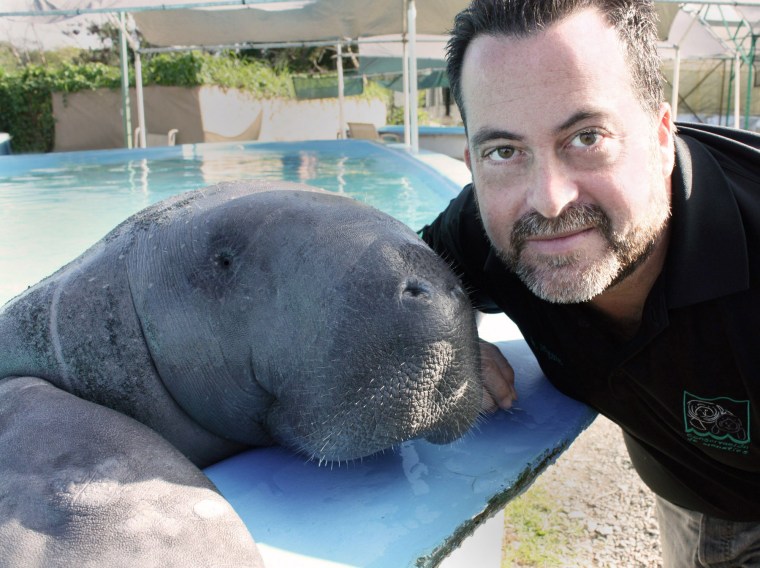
140 101
140 142
676 83
750 80
341 91
413 126
126 118
405 74
737 89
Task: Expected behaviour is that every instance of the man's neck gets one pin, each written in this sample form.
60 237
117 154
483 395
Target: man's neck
623 304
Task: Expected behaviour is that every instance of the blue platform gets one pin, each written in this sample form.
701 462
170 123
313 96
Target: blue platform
409 507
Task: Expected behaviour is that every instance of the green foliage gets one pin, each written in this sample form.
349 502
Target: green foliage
26 102
296 59
224 70
375 90
108 52
27 109
396 115
26 86
303 60
9 58
537 534
70 78
180 70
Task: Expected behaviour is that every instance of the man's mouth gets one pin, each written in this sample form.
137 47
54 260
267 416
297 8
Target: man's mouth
559 243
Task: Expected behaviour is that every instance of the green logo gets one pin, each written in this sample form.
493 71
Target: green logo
721 423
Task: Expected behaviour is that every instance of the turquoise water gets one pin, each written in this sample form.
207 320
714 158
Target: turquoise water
54 206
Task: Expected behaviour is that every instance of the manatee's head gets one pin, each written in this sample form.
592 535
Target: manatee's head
379 345
320 321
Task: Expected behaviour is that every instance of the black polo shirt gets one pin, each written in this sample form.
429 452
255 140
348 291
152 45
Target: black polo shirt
686 388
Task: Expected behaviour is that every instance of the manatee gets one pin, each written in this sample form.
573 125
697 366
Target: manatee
240 315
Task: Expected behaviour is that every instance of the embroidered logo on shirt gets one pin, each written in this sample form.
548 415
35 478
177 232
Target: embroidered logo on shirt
721 423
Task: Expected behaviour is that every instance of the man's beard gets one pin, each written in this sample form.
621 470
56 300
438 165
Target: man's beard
577 278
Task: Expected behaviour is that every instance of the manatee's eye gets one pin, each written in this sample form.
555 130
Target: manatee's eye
224 260
220 261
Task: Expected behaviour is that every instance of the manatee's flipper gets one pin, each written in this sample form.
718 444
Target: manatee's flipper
83 485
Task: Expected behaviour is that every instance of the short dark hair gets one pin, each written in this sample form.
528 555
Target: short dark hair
634 20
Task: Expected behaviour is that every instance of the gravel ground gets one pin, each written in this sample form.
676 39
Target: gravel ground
594 488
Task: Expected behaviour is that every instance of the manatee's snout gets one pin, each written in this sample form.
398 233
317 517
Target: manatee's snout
394 354
417 288
423 355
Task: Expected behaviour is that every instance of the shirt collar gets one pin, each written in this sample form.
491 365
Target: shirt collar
707 255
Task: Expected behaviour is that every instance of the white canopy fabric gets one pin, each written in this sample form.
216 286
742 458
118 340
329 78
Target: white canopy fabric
314 20
752 15
713 29
694 39
226 22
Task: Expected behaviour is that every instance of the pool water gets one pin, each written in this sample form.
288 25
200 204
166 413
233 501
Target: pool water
54 206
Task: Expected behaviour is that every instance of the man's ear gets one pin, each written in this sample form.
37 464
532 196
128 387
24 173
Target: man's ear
467 156
666 130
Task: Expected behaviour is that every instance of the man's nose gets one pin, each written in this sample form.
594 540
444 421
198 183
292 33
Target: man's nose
553 188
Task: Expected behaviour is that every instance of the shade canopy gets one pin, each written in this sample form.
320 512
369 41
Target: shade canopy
704 30
708 30
218 22
304 20
224 22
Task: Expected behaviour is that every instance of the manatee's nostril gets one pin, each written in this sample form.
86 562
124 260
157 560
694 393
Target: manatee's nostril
416 288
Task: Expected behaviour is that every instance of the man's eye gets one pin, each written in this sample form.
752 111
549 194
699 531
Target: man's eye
503 153
586 139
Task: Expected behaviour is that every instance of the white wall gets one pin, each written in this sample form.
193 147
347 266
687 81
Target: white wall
91 120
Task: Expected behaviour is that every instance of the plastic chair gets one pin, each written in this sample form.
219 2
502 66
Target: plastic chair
156 139
368 131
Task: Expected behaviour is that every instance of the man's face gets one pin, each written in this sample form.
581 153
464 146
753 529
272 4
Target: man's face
571 173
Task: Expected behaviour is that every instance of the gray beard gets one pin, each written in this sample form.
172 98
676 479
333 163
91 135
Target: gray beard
560 279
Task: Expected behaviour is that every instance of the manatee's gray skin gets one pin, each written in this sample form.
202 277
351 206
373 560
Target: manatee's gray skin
84 486
240 315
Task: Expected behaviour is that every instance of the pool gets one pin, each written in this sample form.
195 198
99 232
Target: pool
54 206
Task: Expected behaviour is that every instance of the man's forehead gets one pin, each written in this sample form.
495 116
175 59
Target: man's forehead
581 59
583 35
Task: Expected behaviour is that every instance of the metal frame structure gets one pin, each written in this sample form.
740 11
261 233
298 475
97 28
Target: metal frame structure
725 21
407 38
738 36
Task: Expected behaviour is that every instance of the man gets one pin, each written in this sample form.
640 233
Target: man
628 255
